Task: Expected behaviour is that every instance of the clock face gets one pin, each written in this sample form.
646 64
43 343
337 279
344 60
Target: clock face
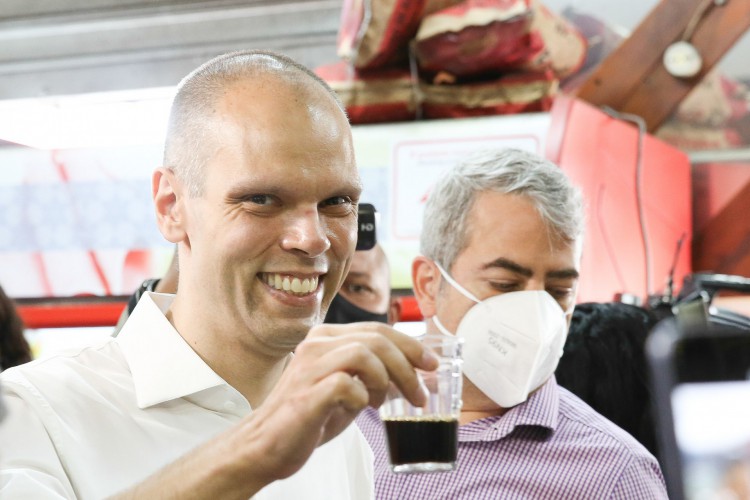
681 59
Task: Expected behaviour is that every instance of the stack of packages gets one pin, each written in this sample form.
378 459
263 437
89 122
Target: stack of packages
408 59
714 115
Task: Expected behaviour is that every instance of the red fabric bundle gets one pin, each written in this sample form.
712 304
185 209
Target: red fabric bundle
376 33
382 96
564 47
512 93
489 37
601 40
714 102
714 115
695 138
477 37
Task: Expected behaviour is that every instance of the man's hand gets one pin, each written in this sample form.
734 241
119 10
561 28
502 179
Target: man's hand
335 373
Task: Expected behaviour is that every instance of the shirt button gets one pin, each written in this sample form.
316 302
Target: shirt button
230 405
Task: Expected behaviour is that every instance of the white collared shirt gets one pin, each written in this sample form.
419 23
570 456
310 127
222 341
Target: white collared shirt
93 423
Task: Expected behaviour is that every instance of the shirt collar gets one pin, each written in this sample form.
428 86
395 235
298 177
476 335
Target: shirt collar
163 365
541 410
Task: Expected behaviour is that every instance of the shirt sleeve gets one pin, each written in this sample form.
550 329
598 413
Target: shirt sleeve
29 463
642 480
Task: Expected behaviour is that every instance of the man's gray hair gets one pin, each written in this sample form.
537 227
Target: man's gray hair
189 141
509 171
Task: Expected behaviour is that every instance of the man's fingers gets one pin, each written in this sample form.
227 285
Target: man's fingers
310 415
363 347
352 358
417 354
336 372
345 391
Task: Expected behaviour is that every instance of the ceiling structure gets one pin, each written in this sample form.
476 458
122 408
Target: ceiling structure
59 47
53 47
638 78
71 47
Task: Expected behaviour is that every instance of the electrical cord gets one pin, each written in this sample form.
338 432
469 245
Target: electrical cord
641 124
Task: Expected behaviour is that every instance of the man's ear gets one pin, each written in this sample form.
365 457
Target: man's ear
167 193
426 282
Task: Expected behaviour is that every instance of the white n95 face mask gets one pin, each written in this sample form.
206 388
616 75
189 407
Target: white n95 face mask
512 342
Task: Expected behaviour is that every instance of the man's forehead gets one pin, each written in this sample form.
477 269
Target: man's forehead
259 153
364 261
302 87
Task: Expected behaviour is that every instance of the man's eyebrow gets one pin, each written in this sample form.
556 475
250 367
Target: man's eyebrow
526 272
249 187
358 274
563 274
510 266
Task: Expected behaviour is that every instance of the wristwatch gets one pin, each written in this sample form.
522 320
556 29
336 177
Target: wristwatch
147 286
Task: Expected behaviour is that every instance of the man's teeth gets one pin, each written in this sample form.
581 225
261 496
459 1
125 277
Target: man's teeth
293 285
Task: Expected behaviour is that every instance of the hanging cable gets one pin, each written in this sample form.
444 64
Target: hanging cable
641 124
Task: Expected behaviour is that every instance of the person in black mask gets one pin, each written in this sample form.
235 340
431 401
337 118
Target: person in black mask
366 292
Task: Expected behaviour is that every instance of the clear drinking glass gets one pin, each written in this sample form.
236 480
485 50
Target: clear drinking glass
425 439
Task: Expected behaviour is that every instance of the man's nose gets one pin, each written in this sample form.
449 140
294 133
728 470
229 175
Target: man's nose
305 232
535 286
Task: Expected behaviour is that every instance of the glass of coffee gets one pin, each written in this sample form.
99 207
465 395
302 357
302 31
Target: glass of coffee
425 439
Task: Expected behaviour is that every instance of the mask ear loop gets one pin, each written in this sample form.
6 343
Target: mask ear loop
440 326
455 284
459 288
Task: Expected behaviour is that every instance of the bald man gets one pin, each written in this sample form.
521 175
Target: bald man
231 388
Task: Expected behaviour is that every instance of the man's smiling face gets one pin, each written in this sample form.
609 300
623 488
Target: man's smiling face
272 235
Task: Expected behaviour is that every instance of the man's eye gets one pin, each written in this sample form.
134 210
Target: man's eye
260 199
505 286
359 289
338 200
560 294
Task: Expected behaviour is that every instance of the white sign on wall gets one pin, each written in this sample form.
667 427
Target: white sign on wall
399 163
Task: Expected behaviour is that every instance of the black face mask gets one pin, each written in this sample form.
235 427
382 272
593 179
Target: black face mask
342 312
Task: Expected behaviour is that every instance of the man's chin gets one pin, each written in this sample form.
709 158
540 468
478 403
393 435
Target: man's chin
297 332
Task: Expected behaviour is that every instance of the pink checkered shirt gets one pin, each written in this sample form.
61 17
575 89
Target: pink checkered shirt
554 446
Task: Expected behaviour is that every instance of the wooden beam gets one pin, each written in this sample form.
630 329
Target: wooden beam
723 246
633 79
